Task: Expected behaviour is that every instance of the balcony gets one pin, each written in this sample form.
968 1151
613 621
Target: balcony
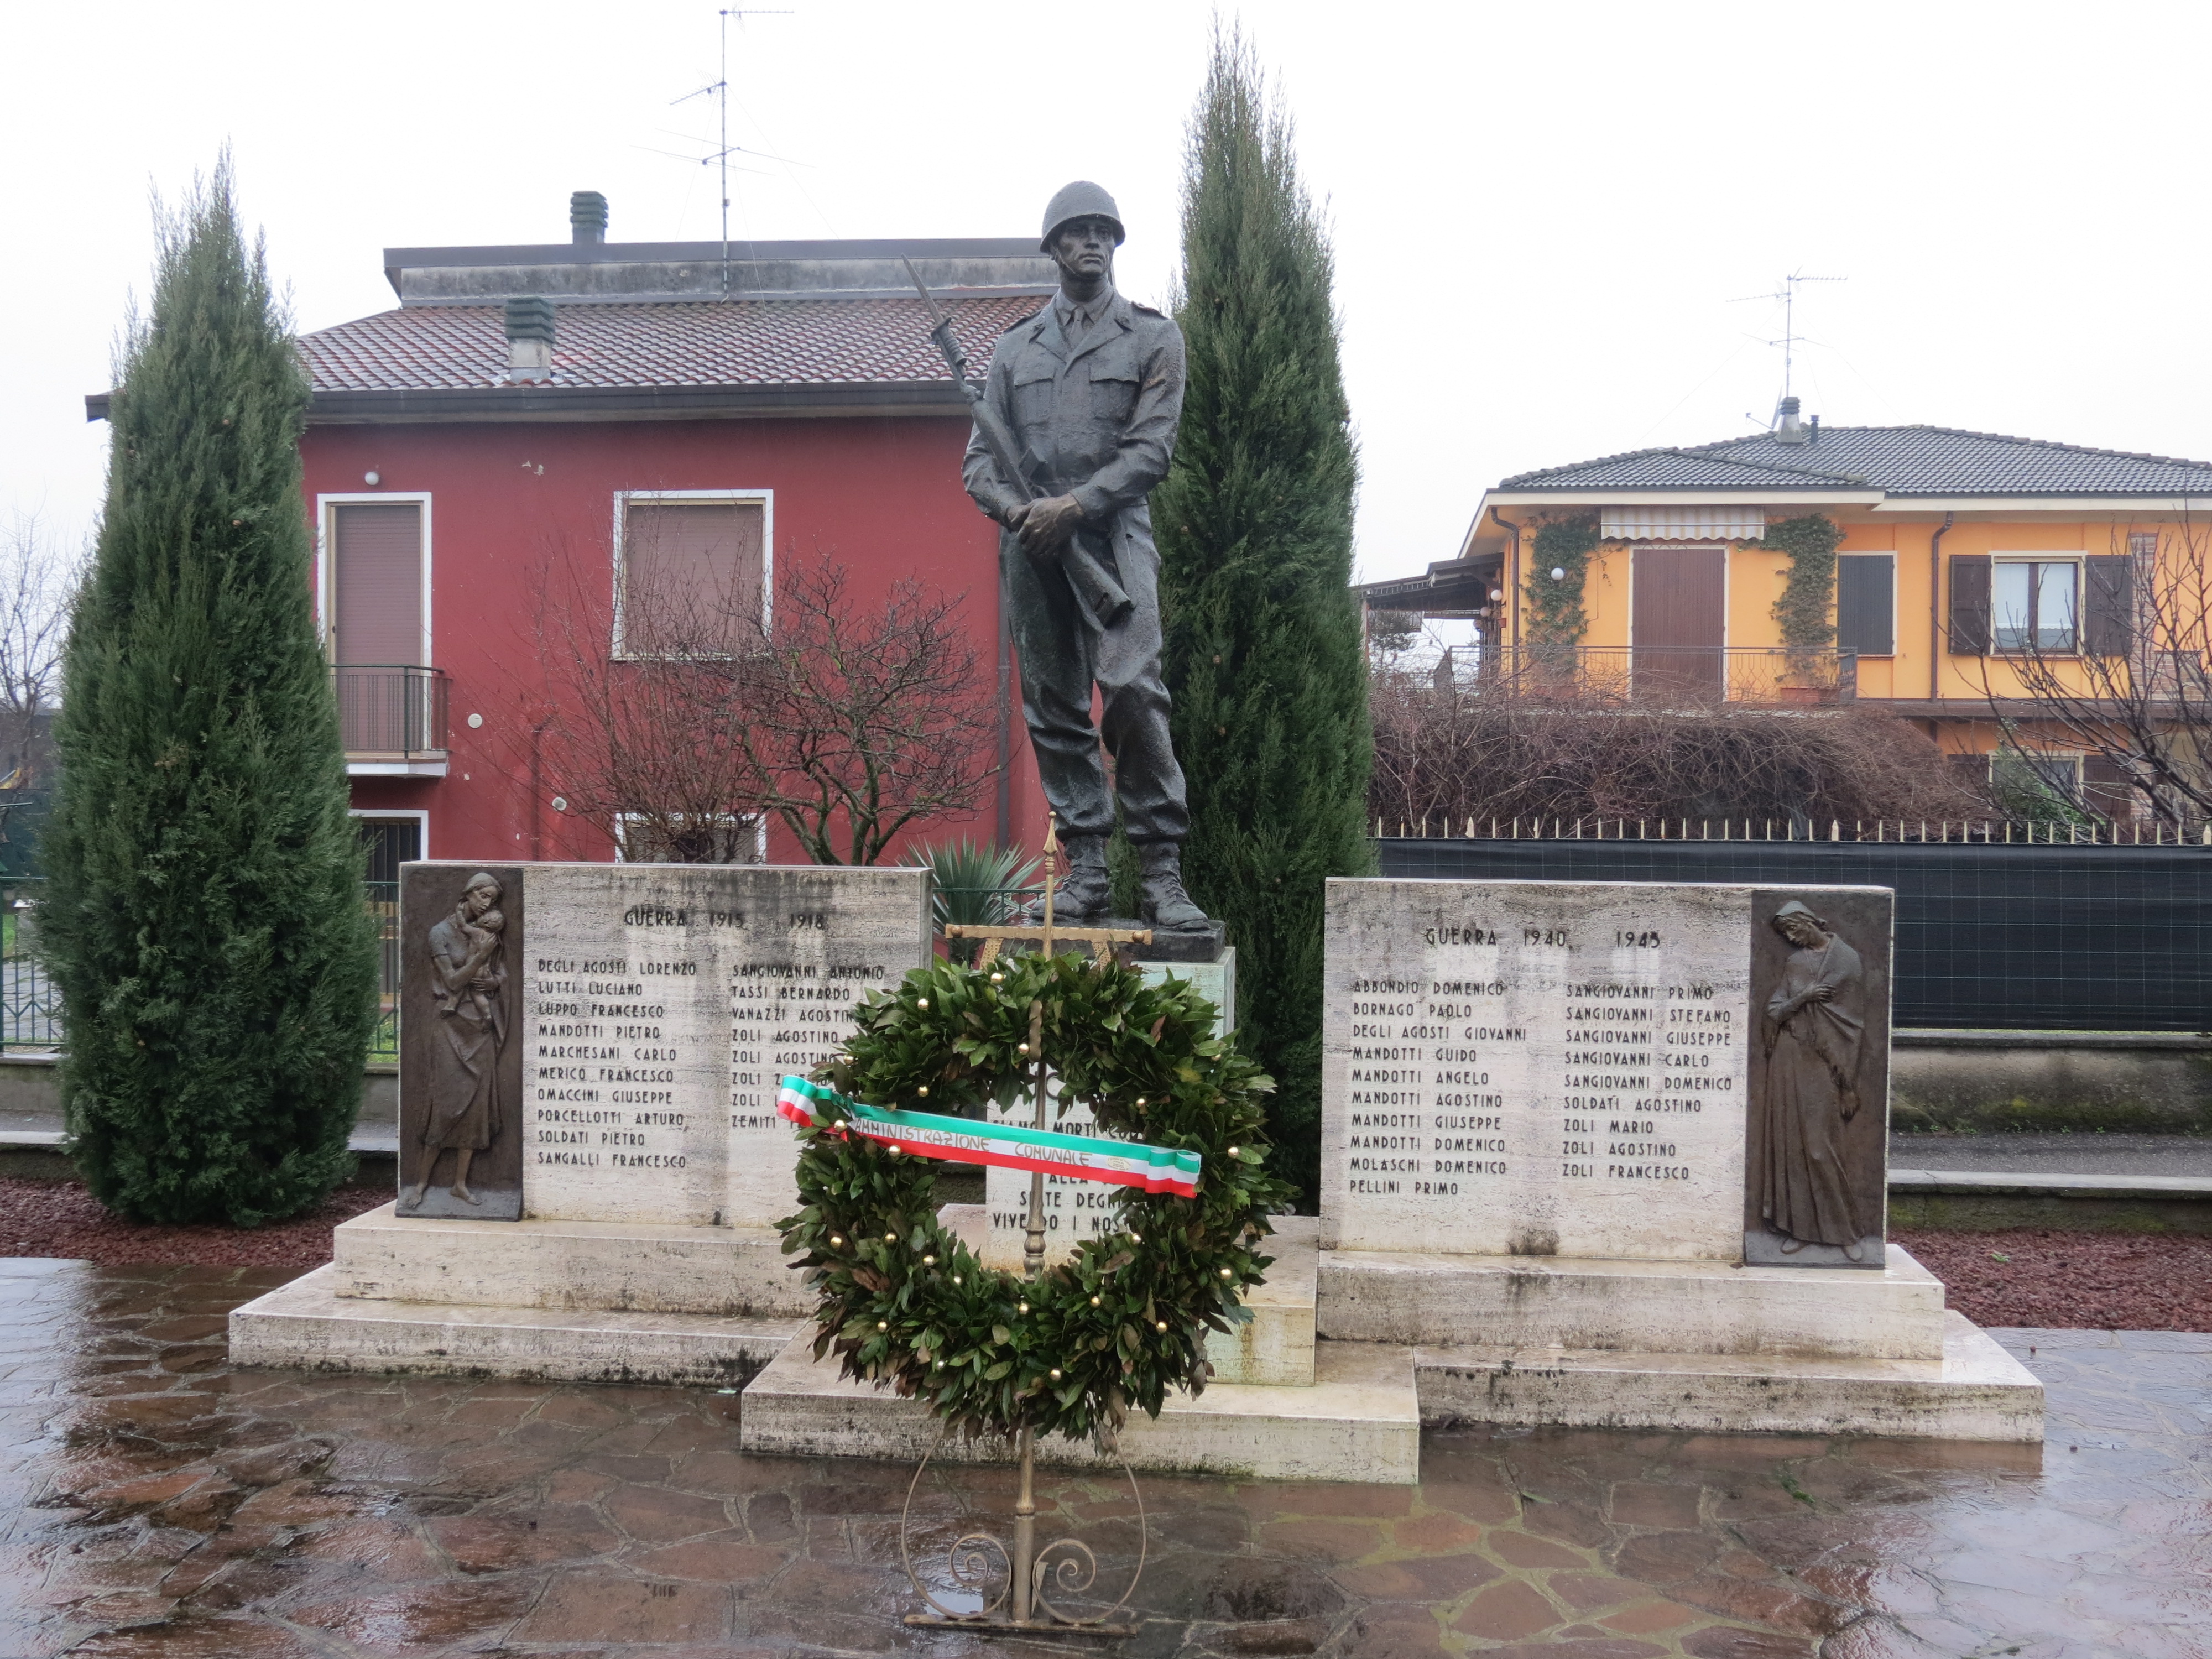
1759 676
394 720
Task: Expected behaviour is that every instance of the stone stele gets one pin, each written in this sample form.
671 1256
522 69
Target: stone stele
1539 1069
658 1005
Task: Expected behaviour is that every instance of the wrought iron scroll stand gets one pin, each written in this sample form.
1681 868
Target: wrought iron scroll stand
1068 1562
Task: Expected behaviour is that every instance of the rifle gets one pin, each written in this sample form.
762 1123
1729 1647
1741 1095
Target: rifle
1102 599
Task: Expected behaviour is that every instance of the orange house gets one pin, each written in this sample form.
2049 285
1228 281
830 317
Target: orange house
1966 557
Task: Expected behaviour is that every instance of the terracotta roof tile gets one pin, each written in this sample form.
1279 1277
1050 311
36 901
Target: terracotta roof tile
679 343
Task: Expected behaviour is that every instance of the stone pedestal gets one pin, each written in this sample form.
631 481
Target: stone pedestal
1555 1302
1359 1419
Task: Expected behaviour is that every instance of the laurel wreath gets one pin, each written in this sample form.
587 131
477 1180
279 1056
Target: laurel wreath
1124 1320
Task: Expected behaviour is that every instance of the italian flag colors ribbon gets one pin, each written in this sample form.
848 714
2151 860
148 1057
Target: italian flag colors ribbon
969 1140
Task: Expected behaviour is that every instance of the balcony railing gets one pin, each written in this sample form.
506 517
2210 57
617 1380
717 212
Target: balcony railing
1671 676
391 712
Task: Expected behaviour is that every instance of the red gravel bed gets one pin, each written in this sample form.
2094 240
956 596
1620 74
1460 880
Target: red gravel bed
2041 1276
61 1218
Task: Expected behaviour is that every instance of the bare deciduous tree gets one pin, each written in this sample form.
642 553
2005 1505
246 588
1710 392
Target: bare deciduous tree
877 717
37 582
2126 678
638 741
682 722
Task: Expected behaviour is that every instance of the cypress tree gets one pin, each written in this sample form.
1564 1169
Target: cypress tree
1263 649
204 919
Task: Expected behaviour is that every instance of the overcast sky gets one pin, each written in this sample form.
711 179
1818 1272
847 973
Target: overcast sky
1547 216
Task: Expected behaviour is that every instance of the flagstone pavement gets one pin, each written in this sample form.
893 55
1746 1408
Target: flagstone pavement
154 1501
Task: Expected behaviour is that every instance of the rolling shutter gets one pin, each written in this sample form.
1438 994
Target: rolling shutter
1970 605
692 575
377 559
1866 592
2108 607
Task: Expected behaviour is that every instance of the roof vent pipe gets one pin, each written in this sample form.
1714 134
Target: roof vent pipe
1792 430
587 216
530 339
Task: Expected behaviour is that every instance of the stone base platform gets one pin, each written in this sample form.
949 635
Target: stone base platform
629 1266
1514 1303
1360 1419
307 1326
1976 1391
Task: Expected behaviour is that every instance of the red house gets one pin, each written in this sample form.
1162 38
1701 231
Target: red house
716 406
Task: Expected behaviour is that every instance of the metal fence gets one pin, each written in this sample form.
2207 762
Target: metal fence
2043 933
391 709
384 906
30 1010
1989 832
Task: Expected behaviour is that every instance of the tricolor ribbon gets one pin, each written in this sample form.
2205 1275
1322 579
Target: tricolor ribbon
966 1141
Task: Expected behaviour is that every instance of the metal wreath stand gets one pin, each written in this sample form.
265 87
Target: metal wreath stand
976 1558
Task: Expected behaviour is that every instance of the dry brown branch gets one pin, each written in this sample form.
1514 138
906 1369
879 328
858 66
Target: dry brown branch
876 717
1445 753
642 746
38 580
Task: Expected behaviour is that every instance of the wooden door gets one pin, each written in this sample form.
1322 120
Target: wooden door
1677 621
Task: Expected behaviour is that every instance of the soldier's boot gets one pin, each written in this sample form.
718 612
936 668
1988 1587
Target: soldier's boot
1166 906
1084 895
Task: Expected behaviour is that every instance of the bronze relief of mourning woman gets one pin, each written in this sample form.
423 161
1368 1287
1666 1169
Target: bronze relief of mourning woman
466 1112
1807 1188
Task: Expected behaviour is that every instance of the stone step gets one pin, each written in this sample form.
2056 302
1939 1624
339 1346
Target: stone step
306 1325
1360 1419
1640 1306
730 1272
1276 1346
1976 1391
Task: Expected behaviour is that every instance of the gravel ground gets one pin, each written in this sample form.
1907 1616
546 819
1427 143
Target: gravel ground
2083 1281
61 1218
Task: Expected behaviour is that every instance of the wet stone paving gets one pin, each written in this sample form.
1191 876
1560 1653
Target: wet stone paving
158 1502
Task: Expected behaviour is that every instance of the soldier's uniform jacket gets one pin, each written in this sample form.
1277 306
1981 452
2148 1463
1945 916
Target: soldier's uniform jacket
1096 420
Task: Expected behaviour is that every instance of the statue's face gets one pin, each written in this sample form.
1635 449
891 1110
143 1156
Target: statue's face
1800 932
480 898
1084 248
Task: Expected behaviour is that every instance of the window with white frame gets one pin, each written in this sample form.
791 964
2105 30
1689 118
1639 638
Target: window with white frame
2035 604
376 605
692 572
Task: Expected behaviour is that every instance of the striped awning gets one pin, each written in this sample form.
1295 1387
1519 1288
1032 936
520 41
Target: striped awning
1684 524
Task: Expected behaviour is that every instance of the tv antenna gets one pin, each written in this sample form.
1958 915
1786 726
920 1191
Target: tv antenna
1787 295
719 90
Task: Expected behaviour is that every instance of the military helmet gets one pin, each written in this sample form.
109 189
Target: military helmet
1080 200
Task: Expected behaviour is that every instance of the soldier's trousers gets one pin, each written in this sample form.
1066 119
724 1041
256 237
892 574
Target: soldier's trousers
1061 659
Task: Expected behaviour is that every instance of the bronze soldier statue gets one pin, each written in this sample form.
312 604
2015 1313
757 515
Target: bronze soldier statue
1092 389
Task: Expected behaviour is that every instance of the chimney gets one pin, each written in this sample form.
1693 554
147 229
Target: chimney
1792 430
587 217
530 340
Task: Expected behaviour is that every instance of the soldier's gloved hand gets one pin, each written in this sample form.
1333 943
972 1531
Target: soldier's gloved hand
1044 526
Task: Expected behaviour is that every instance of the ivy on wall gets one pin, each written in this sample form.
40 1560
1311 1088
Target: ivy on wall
1806 608
1552 617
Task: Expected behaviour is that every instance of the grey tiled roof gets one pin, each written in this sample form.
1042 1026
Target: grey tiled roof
1898 460
677 343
